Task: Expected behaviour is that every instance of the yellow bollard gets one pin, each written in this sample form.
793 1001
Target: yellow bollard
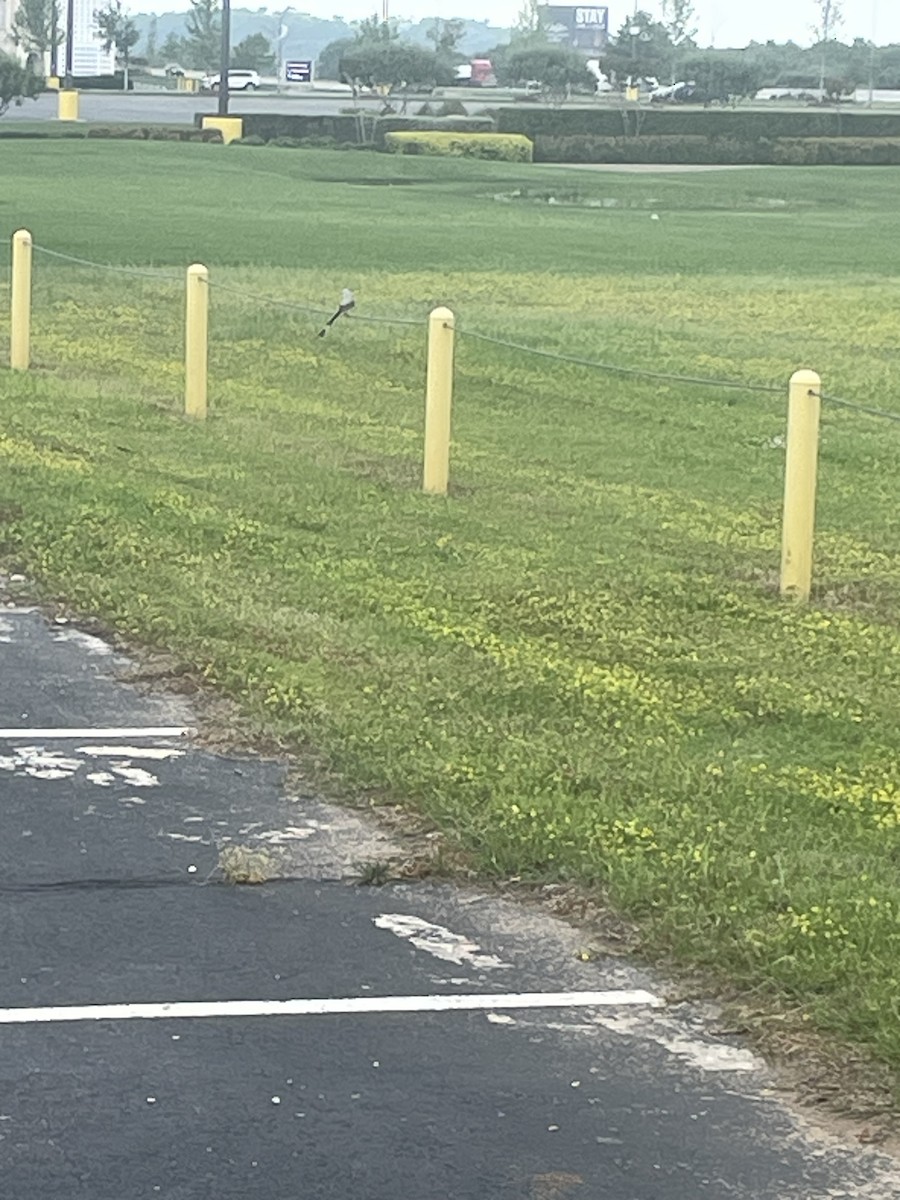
196 334
67 104
231 128
20 302
438 398
801 467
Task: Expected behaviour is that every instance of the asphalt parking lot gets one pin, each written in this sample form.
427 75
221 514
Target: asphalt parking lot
166 1034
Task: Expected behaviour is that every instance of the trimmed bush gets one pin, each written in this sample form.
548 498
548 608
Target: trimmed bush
508 147
394 124
725 151
300 126
744 125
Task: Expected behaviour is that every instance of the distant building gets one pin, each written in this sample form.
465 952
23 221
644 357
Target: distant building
88 55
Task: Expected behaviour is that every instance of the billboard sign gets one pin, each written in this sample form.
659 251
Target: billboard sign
583 27
299 71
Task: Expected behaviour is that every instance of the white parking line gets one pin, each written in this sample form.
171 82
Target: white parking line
350 1005
52 735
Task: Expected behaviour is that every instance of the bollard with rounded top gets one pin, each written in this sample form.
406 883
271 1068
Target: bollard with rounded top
196 333
20 302
438 399
67 104
801 467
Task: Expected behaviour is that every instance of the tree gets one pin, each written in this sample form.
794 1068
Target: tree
118 29
642 48
35 27
328 64
203 44
559 70
17 83
173 49
392 64
678 19
254 53
446 36
150 48
723 74
830 16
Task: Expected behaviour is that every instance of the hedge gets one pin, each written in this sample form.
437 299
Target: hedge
151 133
748 125
504 147
725 151
346 126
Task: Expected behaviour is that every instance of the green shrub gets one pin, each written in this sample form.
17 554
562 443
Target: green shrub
289 143
498 146
252 139
845 151
269 126
452 124
746 125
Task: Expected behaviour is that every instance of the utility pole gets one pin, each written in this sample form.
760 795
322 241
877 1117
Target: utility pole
225 58
70 30
872 53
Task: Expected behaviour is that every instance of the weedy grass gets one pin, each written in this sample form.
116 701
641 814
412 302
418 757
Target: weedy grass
577 664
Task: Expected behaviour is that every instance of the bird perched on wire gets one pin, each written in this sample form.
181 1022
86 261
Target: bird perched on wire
348 301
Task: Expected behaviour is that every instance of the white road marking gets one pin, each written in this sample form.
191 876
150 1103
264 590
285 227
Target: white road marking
52 735
158 752
350 1005
436 940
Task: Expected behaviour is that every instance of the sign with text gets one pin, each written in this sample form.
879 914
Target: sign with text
583 27
299 71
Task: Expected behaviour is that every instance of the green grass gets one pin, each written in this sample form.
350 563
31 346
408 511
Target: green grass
577 664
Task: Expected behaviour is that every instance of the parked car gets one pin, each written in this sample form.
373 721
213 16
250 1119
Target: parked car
174 71
238 81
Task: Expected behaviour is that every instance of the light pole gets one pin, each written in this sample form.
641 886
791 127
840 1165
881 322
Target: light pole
70 22
225 58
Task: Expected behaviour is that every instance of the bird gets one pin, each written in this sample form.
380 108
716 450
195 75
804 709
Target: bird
348 301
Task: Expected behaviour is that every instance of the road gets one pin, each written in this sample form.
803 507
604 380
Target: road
178 108
418 1070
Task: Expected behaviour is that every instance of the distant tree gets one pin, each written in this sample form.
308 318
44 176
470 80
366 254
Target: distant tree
559 70
204 34
678 19
150 48
446 36
117 28
722 74
829 17
35 26
642 47
17 83
173 49
254 53
328 64
370 29
392 64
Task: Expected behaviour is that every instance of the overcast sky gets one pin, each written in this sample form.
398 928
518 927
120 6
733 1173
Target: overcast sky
720 22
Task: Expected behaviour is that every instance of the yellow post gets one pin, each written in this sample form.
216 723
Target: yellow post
67 104
438 397
20 302
53 83
800 485
195 341
231 128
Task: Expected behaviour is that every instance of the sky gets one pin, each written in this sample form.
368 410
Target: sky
720 22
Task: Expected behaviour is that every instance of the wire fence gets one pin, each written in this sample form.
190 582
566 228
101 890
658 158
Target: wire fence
619 369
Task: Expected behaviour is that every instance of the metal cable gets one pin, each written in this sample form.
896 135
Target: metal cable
305 308
574 360
854 406
635 372
87 262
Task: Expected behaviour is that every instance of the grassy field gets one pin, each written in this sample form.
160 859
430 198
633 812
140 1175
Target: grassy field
578 664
